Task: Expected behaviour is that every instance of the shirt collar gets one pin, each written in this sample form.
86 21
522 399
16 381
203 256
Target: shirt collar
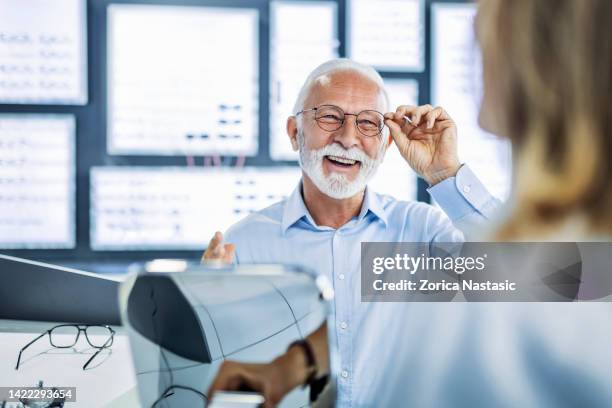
295 209
372 203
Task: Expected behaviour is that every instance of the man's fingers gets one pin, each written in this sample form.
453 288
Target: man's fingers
419 113
415 113
430 117
223 253
214 249
219 252
397 133
229 249
401 132
404 110
395 129
215 241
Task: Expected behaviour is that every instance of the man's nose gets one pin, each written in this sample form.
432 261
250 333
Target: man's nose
348 135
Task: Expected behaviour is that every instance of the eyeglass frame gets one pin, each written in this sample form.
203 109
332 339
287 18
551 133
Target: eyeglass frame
380 131
80 328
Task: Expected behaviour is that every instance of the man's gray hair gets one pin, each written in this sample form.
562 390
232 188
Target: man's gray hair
322 73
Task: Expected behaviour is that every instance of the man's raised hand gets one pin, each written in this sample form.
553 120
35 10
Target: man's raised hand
217 251
427 140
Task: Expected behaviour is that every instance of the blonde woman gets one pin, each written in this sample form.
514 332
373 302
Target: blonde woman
547 81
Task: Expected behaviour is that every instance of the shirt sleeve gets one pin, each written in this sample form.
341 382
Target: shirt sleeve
465 200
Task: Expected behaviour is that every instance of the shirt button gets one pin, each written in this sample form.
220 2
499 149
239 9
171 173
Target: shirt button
344 374
466 189
341 276
343 325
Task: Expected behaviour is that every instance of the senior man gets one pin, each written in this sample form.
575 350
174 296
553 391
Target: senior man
339 130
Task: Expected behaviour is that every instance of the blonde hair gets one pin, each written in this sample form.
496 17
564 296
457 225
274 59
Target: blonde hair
547 69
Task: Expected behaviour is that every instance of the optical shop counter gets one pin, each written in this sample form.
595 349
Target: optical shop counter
109 380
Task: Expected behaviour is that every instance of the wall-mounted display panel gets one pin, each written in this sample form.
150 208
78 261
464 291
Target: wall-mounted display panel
37 181
43 52
182 80
138 208
387 34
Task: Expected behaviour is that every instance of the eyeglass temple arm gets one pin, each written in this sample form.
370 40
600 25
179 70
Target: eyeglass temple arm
305 110
26 346
105 345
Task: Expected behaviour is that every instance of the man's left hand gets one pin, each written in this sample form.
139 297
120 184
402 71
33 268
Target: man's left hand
428 142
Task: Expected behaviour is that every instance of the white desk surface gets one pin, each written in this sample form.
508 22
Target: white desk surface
109 381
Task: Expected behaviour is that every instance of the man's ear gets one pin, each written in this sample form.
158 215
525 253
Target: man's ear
292 131
389 141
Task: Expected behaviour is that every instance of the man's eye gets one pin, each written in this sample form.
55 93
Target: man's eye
368 123
331 117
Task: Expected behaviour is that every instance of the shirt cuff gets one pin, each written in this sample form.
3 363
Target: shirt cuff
461 195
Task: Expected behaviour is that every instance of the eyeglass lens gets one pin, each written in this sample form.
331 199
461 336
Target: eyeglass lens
97 336
64 336
67 336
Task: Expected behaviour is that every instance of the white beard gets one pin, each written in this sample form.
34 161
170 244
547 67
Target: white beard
337 185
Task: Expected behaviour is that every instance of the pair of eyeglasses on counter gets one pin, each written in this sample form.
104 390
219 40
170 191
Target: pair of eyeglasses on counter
99 337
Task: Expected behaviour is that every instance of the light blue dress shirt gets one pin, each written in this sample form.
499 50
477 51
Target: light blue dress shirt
369 337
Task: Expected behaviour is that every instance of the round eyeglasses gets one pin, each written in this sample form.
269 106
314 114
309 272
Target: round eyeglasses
330 118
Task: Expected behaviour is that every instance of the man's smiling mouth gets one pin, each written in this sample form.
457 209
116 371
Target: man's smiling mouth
342 161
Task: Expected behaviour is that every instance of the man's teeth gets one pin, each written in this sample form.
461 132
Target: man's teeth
341 160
